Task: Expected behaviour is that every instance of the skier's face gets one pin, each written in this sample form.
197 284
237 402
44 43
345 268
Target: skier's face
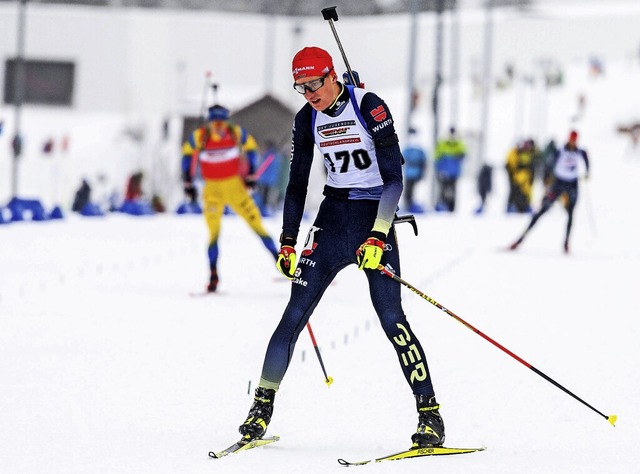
323 96
216 127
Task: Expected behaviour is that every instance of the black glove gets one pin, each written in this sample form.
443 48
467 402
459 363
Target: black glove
250 181
191 192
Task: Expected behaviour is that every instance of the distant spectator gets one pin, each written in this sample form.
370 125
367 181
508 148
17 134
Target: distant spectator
414 170
485 184
521 163
596 66
450 152
82 197
134 187
158 204
580 108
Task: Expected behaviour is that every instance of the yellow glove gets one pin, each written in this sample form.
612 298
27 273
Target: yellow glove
286 262
370 253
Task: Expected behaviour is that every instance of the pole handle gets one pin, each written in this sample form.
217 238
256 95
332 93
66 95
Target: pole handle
330 13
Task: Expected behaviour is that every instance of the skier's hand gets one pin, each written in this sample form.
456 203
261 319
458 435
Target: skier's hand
250 181
190 192
286 262
370 253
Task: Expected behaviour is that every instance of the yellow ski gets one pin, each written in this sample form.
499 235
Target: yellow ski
415 453
243 445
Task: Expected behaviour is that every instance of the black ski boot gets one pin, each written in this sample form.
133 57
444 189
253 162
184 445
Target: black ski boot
430 430
260 413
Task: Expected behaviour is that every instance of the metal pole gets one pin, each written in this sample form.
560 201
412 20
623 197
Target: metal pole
486 82
438 72
436 90
19 92
412 62
455 63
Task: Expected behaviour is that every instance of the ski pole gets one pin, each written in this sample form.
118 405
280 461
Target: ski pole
263 166
610 418
327 378
330 14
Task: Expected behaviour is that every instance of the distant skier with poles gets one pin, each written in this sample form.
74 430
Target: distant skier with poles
354 130
565 180
225 155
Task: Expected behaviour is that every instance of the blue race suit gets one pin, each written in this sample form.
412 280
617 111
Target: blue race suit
364 182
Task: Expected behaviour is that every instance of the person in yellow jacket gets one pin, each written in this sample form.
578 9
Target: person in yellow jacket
521 163
449 154
224 154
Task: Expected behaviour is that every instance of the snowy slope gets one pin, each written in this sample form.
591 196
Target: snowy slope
109 366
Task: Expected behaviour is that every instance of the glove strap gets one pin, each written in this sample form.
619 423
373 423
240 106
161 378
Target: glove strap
375 242
377 235
287 250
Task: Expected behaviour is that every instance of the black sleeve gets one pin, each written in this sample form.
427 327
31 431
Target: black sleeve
302 147
379 120
380 124
585 157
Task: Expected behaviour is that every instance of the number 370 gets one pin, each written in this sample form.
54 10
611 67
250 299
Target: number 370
342 160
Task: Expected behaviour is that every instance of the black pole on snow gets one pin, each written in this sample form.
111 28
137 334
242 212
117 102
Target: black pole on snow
19 82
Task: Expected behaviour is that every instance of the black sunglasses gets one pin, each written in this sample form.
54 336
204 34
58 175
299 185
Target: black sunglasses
311 86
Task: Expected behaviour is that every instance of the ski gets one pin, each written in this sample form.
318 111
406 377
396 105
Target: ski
414 453
243 445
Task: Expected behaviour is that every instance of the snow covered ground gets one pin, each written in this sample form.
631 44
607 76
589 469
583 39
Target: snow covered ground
109 366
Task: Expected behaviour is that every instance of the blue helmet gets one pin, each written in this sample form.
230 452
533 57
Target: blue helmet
218 112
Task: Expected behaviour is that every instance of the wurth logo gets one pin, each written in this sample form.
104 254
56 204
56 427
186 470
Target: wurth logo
379 113
382 125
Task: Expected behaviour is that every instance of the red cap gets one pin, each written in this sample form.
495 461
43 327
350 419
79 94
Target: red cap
573 136
311 61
